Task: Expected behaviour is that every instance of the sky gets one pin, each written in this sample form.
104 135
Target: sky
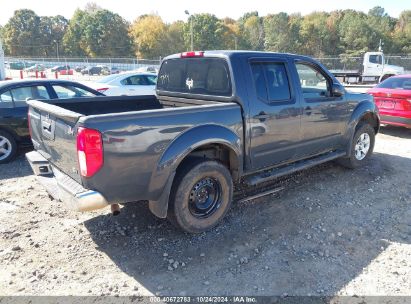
172 10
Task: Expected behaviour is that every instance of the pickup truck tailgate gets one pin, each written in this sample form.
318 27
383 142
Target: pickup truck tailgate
53 135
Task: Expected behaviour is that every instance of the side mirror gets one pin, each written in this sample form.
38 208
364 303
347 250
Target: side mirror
337 90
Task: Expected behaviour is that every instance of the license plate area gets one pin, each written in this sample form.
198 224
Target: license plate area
48 127
387 104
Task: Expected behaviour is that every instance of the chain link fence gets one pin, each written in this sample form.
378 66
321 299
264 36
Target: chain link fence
23 67
355 63
16 64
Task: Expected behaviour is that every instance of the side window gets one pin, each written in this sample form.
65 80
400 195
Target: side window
64 92
376 59
6 97
35 92
271 81
259 81
313 82
134 80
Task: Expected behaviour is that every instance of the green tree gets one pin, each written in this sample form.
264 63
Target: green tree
106 35
282 32
149 34
21 33
74 42
253 31
402 33
382 27
355 33
97 32
51 31
174 42
208 32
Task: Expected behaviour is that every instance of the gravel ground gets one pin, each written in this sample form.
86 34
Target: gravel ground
331 231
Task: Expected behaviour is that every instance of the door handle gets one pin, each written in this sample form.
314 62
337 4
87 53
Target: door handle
308 111
262 116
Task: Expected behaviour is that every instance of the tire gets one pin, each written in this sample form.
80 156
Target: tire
8 147
360 151
201 196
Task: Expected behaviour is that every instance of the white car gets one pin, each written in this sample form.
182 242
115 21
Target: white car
129 83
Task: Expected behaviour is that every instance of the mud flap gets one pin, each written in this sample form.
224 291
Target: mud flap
159 208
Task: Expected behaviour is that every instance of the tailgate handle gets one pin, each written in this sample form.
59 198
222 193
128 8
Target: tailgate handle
46 126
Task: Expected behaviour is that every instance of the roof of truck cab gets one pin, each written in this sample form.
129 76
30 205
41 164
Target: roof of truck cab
238 53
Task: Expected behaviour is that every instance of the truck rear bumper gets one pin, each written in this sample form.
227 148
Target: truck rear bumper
62 187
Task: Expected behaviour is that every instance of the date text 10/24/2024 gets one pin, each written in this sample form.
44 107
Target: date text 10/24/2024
202 299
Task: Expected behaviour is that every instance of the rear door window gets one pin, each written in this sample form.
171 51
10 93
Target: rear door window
205 76
271 81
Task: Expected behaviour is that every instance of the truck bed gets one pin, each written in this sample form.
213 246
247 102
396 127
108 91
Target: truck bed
135 133
112 105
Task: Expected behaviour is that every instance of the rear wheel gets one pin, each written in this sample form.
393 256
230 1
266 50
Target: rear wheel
362 147
201 196
8 147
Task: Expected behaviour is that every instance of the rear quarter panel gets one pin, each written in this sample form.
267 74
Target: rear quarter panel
135 143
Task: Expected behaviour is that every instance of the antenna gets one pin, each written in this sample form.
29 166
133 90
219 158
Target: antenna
380 46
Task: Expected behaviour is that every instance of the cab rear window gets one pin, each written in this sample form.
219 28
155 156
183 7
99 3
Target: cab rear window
205 76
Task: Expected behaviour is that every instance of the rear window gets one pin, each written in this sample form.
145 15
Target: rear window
396 83
205 76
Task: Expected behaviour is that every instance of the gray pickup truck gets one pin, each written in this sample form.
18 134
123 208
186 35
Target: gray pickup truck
218 118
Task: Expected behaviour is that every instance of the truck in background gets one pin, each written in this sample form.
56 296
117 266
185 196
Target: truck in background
374 69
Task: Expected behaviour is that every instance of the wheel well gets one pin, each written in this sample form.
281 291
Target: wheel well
370 119
219 152
16 138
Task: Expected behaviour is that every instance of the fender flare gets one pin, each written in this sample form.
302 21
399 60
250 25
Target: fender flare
365 107
162 178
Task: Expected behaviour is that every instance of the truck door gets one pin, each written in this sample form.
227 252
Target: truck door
323 115
274 113
373 64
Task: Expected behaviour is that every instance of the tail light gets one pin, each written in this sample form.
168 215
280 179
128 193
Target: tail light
29 123
89 151
102 90
192 54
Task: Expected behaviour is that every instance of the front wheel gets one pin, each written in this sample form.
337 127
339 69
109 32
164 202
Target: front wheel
362 147
201 196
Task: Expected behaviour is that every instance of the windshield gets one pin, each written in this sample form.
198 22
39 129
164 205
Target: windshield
206 76
107 79
403 83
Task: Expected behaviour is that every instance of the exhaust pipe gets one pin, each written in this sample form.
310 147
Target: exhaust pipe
115 209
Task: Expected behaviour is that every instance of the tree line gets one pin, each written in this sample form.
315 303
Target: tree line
97 32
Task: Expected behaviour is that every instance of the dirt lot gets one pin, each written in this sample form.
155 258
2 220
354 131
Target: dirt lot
332 231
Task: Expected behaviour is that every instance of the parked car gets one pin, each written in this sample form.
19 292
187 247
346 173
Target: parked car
20 65
78 69
59 68
183 148
393 99
129 83
109 71
92 70
148 69
14 131
35 67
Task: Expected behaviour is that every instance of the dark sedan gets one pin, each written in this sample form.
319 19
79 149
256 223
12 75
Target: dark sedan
14 131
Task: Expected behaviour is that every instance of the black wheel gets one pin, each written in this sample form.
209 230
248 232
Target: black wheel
201 196
361 148
8 147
